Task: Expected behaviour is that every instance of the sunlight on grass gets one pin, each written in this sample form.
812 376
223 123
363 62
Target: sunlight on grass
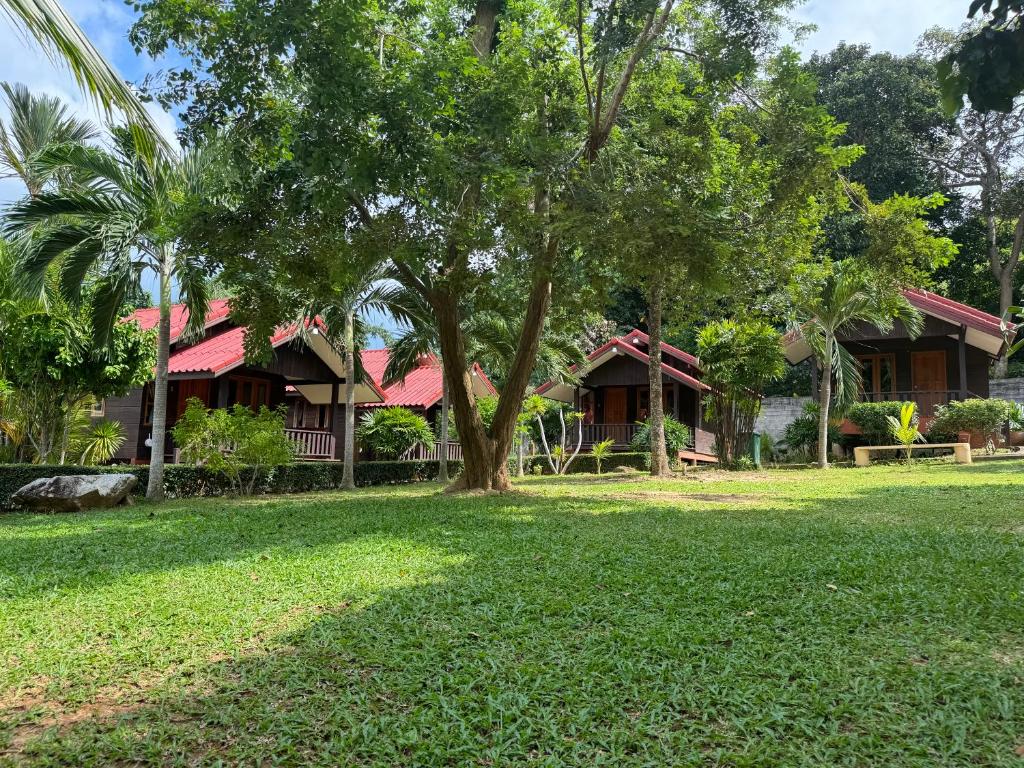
860 617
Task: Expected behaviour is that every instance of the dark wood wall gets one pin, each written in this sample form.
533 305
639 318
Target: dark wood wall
127 411
901 349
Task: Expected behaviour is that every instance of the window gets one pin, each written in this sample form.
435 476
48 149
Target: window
878 376
309 416
98 409
250 392
643 401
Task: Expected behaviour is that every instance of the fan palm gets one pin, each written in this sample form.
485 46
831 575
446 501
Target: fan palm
37 123
845 298
65 43
120 222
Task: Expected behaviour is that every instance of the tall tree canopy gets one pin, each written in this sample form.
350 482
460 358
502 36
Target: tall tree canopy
451 139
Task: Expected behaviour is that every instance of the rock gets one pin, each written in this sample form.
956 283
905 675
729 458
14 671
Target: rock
73 493
624 470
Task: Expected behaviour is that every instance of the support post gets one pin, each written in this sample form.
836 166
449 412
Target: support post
337 425
961 348
222 392
814 376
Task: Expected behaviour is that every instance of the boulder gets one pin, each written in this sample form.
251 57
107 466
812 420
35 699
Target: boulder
73 493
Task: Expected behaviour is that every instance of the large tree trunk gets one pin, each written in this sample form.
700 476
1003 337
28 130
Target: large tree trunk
1004 273
824 400
155 487
348 473
656 416
442 464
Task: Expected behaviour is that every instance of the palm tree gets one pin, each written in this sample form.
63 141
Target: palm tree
420 339
846 297
37 123
65 43
120 222
347 308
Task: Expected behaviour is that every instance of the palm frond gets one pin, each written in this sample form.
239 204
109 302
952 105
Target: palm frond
65 43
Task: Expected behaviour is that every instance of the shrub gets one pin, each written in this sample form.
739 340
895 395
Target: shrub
238 443
677 437
977 415
390 432
739 359
101 441
873 420
601 451
801 434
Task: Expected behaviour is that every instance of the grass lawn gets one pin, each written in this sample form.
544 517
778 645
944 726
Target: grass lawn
853 617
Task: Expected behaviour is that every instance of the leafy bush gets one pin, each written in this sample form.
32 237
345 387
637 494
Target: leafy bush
101 441
801 434
238 443
873 420
677 437
983 417
739 359
390 432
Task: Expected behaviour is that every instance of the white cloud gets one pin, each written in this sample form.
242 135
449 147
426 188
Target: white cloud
883 24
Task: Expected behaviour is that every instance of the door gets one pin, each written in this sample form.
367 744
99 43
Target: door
928 371
615 405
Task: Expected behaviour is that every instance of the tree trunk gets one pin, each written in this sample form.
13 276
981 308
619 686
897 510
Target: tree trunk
348 473
824 401
656 415
442 463
155 487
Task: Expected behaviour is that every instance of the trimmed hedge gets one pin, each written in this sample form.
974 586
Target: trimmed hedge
872 420
182 481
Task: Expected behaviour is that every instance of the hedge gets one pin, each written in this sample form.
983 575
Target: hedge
872 420
182 481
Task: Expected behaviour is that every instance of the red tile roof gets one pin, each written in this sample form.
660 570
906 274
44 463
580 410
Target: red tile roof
421 387
625 345
149 317
934 304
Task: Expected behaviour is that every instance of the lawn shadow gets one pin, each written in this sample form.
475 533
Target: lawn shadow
589 631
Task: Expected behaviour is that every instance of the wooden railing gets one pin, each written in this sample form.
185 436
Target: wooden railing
313 443
926 401
622 434
432 452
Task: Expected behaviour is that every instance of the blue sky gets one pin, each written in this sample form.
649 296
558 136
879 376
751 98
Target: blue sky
884 24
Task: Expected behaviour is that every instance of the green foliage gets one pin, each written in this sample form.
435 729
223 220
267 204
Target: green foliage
238 443
102 441
738 358
801 434
677 437
984 417
987 65
874 419
600 451
904 429
390 432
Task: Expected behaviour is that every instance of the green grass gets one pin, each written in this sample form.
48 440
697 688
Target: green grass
853 617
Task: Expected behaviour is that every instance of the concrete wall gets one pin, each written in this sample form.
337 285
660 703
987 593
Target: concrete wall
1007 389
778 412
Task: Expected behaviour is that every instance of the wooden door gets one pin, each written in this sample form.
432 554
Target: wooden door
190 388
928 371
615 405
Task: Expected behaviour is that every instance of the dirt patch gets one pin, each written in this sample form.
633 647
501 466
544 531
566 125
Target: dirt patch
722 498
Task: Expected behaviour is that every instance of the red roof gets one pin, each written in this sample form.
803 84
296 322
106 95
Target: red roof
422 386
933 304
149 317
626 345
219 353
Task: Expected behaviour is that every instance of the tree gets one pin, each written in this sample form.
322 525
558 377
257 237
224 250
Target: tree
738 360
824 306
37 123
987 65
456 139
120 221
982 154
65 43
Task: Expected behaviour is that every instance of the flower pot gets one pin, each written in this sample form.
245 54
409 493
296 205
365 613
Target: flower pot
1016 437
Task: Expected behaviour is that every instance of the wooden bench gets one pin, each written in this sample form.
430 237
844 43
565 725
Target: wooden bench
961 451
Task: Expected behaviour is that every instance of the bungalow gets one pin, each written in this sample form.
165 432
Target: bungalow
613 392
305 374
948 361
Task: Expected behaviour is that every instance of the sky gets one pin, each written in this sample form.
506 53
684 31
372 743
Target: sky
892 25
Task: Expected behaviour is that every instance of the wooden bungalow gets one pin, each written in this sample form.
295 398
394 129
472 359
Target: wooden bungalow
949 361
614 393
